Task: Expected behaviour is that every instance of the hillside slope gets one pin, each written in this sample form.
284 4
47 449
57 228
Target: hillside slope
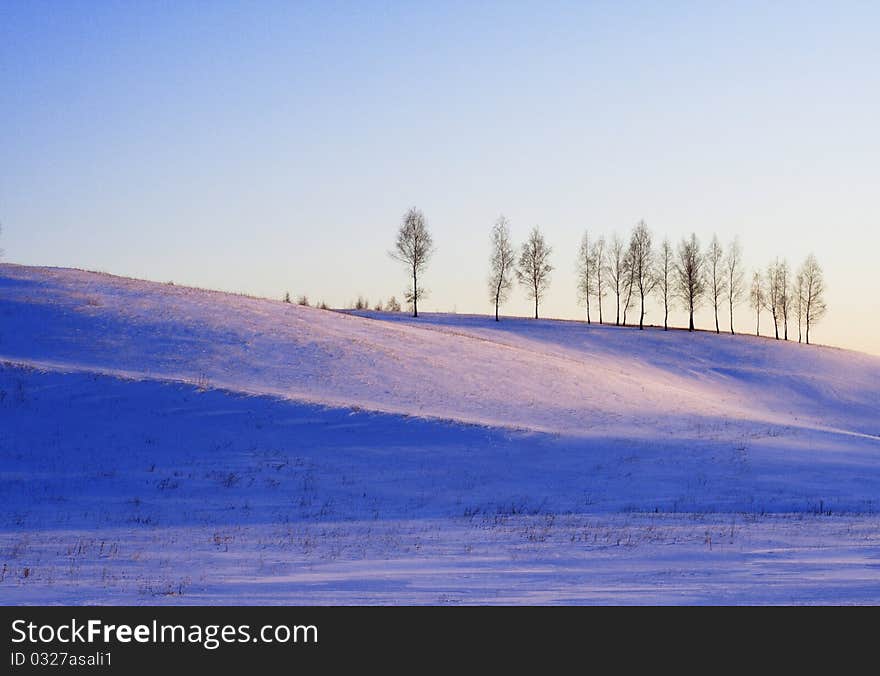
551 376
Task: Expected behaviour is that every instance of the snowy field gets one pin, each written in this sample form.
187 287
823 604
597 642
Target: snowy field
160 444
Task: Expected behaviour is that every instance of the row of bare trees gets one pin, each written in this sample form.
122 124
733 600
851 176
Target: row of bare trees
631 271
692 276
635 269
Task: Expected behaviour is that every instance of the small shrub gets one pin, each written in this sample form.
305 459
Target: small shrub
287 296
378 307
362 304
303 300
323 306
393 305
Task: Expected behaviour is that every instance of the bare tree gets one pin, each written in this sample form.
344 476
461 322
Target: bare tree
599 271
690 275
757 299
618 270
534 266
642 261
773 295
502 264
413 248
585 272
734 274
784 302
716 276
665 267
814 293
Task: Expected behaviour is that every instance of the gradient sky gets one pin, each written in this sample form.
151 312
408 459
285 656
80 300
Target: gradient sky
264 147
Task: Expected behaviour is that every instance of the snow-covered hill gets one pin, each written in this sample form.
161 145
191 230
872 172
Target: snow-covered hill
161 443
550 376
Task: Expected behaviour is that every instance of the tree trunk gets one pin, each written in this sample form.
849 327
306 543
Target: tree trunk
496 308
691 308
642 316
415 295
536 306
758 323
665 315
717 326
731 318
626 305
588 308
600 305
617 321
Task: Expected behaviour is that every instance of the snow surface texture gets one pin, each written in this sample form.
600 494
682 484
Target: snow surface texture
162 444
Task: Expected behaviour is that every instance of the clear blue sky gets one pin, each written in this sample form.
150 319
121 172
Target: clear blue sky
265 147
